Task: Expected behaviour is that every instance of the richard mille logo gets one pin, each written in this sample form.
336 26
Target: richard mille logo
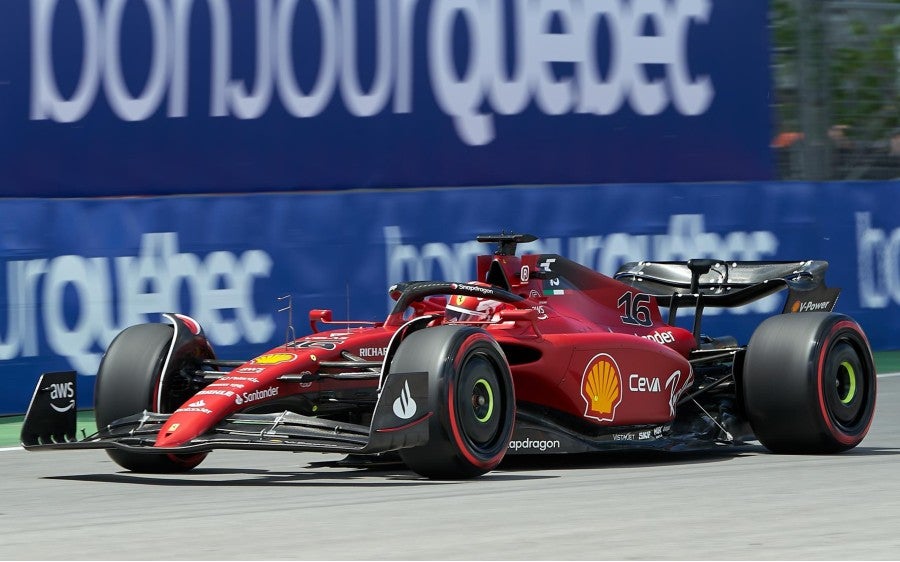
404 405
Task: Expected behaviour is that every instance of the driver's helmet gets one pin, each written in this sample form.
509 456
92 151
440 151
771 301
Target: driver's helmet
469 308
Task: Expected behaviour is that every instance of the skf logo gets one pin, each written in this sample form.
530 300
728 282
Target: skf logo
601 386
62 391
274 358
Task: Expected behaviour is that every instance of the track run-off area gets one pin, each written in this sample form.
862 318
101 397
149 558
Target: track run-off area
722 504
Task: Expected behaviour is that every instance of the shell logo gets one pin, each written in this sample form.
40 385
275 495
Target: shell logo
274 358
601 386
795 307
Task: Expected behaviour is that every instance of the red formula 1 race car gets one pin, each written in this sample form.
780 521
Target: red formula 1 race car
541 355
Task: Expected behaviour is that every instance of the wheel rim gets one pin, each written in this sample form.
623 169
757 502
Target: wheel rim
846 382
846 386
483 401
477 400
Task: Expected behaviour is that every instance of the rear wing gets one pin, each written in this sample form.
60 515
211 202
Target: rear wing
721 283
727 284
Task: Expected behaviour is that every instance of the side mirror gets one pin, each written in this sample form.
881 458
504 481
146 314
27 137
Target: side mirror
519 314
317 315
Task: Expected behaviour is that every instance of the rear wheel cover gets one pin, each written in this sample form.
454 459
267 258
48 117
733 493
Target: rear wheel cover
846 385
809 383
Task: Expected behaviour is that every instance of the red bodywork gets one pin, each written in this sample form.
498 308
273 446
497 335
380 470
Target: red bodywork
579 343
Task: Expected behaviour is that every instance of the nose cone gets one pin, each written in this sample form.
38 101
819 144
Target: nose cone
176 433
253 383
172 434
193 418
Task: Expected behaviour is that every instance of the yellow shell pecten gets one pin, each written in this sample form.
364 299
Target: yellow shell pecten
602 387
274 358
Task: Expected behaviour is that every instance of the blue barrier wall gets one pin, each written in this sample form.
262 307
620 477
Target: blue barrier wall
77 271
149 97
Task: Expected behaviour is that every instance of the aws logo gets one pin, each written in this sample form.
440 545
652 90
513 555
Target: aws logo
62 391
601 388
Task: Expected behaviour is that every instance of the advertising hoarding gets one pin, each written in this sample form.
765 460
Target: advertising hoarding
150 97
76 272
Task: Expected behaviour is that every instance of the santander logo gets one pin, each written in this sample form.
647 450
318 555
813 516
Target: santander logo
404 405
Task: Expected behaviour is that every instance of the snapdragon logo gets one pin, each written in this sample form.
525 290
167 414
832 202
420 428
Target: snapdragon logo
685 238
534 444
81 303
471 92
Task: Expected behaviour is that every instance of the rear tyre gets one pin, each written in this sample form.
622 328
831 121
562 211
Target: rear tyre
471 395
127 384
809 383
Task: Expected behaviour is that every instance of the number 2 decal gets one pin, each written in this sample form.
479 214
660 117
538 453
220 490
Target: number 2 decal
637 313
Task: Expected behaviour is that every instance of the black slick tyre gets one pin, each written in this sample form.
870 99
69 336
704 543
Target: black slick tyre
809 383
471 396
128 383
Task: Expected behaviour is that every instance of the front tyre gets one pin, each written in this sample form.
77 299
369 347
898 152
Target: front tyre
471 395
128 383
809 383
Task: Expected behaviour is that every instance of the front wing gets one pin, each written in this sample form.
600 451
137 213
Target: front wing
45 428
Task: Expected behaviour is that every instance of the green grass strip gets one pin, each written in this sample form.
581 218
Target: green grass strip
11 427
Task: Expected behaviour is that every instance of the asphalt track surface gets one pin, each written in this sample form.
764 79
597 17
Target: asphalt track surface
739 504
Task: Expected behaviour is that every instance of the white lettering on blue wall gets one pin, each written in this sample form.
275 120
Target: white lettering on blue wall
685 238
878 268
111 294
471 98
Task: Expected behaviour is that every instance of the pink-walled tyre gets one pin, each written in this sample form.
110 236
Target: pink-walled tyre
809 383
127 384
471 394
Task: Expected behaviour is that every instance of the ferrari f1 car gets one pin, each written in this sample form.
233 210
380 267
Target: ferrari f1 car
540 355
